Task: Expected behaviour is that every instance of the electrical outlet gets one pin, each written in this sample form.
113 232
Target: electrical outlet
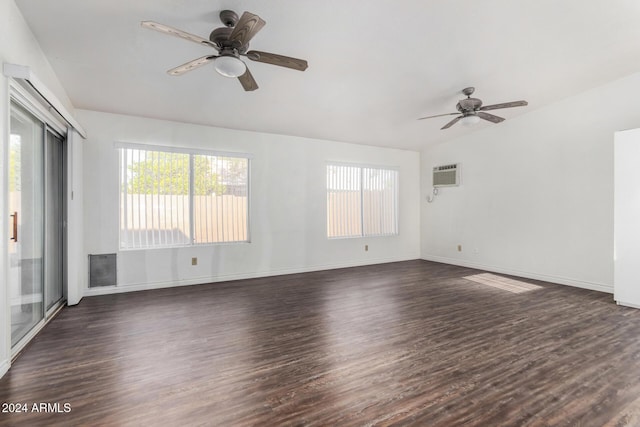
459 248
366 248
194 261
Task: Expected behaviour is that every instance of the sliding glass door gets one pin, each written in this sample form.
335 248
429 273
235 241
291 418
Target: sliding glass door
54 219
36 221
26 209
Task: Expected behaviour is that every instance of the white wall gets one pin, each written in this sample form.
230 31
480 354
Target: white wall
627 218
77 274
17 46
536 198
287 205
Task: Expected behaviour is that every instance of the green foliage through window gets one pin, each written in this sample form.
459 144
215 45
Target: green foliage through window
168 173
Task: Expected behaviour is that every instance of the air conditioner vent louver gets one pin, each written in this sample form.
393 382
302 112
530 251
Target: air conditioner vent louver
446 175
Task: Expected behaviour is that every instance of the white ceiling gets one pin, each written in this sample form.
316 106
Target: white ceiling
374 66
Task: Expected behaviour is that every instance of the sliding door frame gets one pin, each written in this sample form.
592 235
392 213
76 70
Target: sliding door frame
62 208
40 110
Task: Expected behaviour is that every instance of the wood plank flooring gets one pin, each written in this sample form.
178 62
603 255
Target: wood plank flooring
410 343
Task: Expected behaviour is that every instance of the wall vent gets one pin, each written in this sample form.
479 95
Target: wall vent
102 270
446 175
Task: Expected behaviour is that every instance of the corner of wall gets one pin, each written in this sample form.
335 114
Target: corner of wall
76 265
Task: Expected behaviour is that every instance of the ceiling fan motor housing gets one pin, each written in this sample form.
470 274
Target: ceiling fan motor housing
468 105
220 36
229 18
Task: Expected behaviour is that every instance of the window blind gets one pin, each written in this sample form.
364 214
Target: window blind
361 201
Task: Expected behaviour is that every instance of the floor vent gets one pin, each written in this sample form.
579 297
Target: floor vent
102 270
504 283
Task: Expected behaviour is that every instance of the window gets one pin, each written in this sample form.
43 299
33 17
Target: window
361 201
174 197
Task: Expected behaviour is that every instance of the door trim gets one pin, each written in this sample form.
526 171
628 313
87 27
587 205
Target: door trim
20 95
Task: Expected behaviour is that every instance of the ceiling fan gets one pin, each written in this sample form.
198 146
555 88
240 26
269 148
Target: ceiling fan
471 110
231 42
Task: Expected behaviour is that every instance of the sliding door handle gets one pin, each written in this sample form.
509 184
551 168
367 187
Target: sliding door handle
14 237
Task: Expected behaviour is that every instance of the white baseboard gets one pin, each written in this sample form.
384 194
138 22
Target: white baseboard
601 287
132 287
4 367
627 304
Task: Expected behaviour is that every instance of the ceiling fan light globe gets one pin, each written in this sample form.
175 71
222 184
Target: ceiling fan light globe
470 120
229 66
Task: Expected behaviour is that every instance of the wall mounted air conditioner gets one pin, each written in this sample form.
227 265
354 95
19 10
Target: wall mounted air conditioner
446 175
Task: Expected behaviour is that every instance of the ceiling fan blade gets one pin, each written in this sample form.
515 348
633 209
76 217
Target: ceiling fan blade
451 123
247 81
439 115
279 60
191 65
504 105
490 117
247 27
178 33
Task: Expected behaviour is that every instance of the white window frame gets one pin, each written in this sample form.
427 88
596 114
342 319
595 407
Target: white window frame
396 201
191 152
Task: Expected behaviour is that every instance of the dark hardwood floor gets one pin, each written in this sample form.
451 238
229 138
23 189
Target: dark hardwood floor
410 343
